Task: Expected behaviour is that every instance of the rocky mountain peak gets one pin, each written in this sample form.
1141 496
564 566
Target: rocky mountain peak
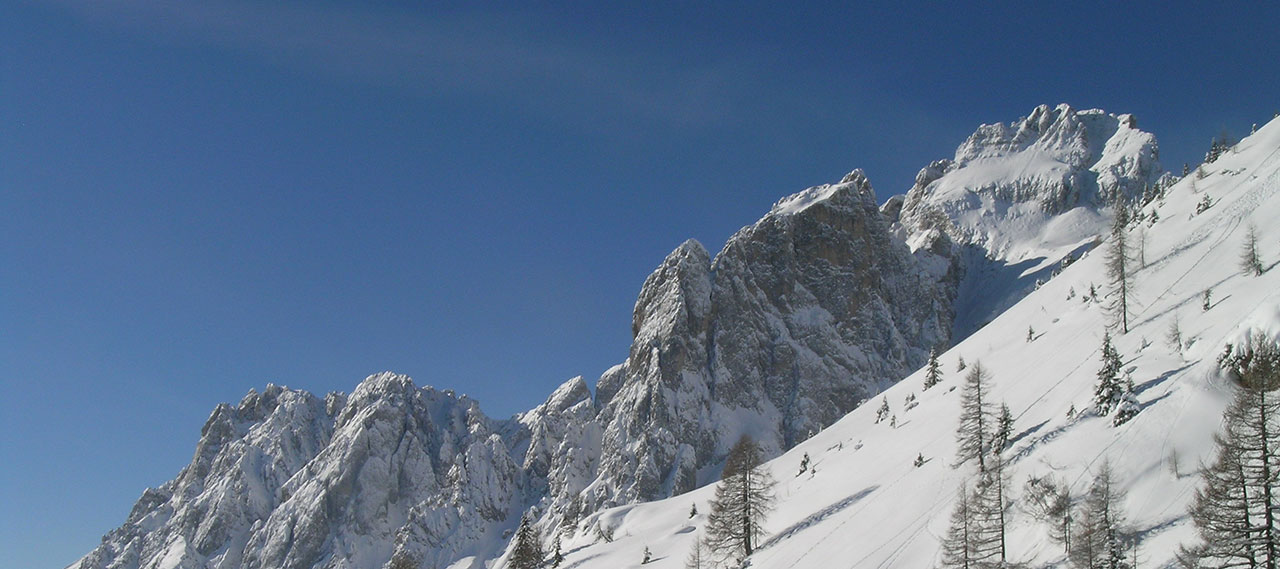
1008 181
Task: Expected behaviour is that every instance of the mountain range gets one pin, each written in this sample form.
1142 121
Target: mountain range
830 300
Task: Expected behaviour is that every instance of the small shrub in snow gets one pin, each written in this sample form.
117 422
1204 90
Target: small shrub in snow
1173 335
1206 300
1204 205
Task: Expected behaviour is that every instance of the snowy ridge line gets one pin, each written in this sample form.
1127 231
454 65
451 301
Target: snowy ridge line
782 334
1179 394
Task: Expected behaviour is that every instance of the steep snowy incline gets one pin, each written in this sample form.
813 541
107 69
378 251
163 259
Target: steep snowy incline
1025 197
863 503
803 315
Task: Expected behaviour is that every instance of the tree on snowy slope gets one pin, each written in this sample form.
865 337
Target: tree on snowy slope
976 535
1235 510
1110 389
974 434
1250 262
1119 268
1004 429
697 558
527 552
959 549
1099 543
743 499
934 375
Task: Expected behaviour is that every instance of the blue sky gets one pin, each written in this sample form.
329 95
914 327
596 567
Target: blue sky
199 198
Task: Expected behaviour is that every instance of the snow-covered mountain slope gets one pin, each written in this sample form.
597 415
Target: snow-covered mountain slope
1022 197
816 307
863 503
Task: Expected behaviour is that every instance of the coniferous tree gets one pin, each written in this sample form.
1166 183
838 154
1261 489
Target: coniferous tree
1235 510
883 412
959 547
934 374
1128 405
1250 262
1063 518
991 504
1109 390
742 500
1119 269
527 552
973 435
697 558
1099 542
976 535
1004 429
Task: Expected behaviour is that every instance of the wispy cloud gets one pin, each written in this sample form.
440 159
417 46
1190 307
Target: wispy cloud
508 55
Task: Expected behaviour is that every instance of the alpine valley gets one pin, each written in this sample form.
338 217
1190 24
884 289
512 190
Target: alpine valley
827 302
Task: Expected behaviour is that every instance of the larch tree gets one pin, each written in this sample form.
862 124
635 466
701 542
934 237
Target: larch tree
697 558
976 535
974 433
1250 261
959 547
1119 268
1235 509
742 500
1099 542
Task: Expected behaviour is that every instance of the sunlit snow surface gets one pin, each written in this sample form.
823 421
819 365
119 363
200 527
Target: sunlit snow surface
864 504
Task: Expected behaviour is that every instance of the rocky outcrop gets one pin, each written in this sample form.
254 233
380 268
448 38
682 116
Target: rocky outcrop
815 308
801 317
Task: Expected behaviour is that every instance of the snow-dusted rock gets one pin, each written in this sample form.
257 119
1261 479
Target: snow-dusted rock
821 304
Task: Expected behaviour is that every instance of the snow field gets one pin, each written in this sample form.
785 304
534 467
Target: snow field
864 504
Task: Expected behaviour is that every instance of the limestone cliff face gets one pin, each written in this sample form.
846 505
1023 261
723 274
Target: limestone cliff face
803 315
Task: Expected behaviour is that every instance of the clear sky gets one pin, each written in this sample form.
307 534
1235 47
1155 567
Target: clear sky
199 198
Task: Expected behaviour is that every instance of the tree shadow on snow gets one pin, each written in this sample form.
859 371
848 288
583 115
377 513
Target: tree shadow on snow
818 516
1143 406
1026 433
1148 384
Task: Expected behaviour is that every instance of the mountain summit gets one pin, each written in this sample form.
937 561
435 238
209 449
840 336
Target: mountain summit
817 307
